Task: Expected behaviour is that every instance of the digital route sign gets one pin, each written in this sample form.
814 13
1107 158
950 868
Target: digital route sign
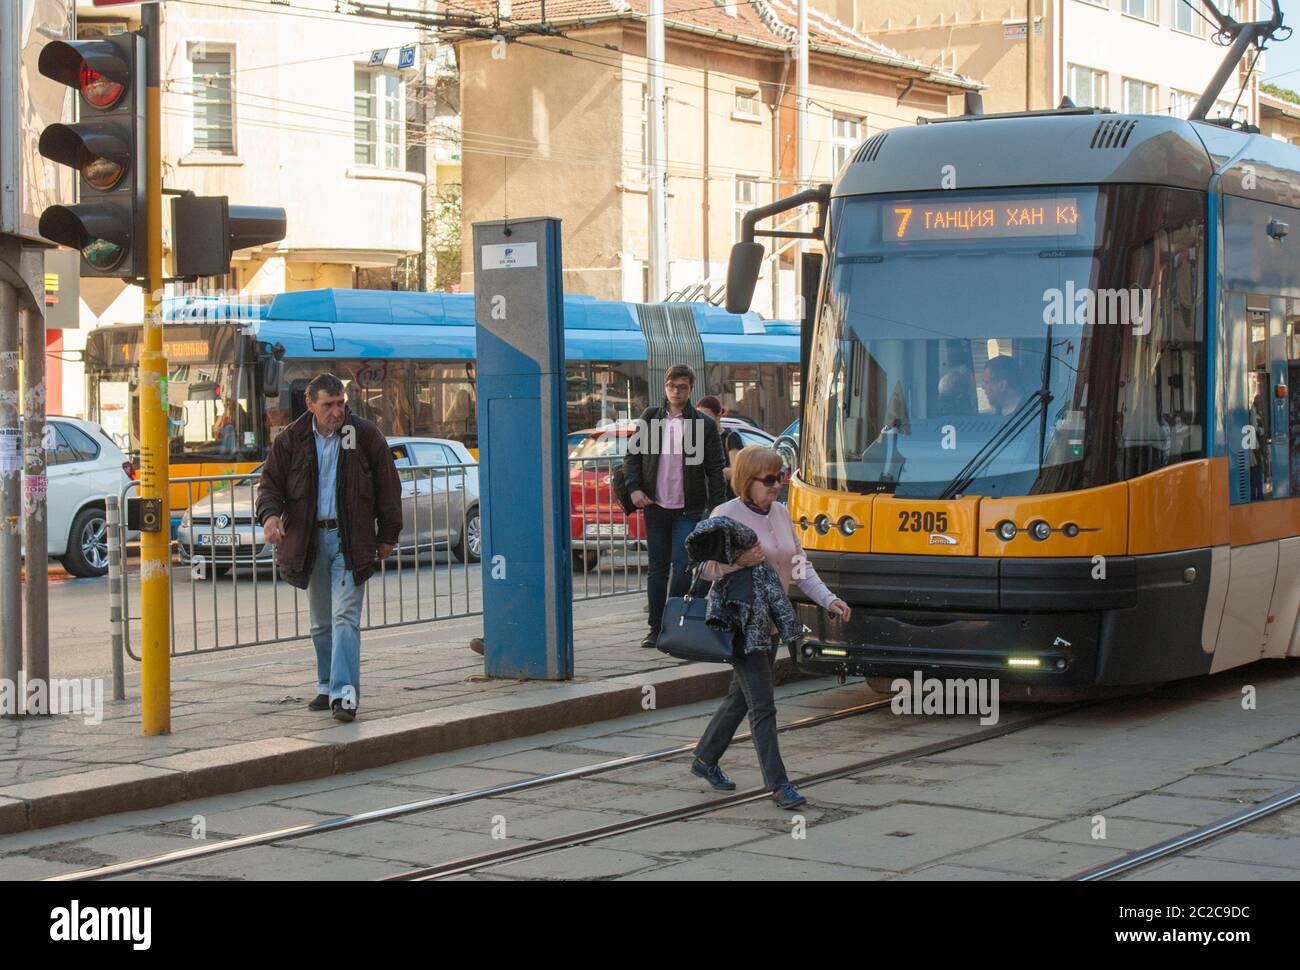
905 222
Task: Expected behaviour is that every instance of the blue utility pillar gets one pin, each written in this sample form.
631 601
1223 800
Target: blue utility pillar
524 468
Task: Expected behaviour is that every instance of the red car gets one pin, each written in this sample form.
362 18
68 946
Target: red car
597 521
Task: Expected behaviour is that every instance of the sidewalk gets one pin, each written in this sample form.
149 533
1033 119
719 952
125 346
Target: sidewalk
240 718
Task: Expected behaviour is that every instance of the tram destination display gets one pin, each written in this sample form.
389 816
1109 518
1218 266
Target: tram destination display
978 219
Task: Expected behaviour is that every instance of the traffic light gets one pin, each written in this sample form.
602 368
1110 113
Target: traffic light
206 230
108 148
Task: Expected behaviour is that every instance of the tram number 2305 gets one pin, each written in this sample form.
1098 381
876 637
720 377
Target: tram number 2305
922 521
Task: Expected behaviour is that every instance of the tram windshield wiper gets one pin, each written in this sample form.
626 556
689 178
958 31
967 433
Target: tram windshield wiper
1016 422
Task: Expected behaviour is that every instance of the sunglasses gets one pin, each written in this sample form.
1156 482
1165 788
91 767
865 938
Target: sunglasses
780 478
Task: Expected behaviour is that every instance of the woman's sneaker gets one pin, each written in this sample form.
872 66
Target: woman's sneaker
788 797
713 775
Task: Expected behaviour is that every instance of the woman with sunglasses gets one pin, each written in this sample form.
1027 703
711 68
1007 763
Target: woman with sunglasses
757 477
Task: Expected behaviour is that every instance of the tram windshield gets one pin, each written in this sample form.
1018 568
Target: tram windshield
1007 342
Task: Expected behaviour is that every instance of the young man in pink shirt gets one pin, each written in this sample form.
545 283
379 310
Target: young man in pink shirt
674 473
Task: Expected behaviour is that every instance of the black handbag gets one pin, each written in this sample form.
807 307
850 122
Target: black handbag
685 634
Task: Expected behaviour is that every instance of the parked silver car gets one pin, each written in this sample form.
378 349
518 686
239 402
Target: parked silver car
440 509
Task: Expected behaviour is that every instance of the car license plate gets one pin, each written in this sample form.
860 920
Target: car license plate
219 539
614 530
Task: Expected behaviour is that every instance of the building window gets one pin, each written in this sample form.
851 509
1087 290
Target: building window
1145 9
214 112
746 104
645 131
1139 97
378 109
1187 17
746 199
1181 103
1087 87
846 135
1222 109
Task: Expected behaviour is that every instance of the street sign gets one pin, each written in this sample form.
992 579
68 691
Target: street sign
406 57
377 57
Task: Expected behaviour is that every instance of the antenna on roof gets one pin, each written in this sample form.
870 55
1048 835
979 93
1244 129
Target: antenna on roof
1241 37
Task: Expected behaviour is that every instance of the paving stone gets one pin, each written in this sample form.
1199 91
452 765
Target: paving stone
736 865
690 837
288 862
1038 857
1177 809
1190 869
1123 833
1252 848
582 862
951 873
1234 787
898 837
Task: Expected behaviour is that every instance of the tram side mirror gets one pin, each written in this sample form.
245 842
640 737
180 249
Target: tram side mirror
272 371
742 275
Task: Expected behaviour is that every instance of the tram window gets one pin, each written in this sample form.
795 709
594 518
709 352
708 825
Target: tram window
1293 414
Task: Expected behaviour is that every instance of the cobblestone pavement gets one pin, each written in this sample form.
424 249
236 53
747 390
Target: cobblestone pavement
1027 806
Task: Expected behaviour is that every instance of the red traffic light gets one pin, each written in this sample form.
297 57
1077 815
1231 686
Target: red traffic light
98 89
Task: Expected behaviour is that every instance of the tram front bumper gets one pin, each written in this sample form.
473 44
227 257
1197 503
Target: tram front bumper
1025 621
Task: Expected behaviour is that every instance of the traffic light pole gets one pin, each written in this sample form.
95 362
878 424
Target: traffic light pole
36 523
11 615
155 546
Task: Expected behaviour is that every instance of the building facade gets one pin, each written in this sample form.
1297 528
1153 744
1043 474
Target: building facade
558 126
294 106
1146 56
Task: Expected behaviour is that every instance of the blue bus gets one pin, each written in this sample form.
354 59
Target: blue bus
407 361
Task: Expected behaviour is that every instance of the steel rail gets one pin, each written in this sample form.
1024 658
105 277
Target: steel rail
427 804
600 833
1181 843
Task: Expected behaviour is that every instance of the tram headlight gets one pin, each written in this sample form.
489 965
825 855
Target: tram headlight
1040 530
849 525
822 524
1006 530
1070 530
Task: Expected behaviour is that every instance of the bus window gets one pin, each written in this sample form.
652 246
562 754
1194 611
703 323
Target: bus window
446 401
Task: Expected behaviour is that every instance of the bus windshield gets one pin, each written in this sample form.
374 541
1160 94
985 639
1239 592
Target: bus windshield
212 411
1007 342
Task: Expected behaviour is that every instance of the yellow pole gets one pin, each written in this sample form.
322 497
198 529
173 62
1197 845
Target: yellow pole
155 547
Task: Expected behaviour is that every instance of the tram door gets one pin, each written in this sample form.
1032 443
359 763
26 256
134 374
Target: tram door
1250 385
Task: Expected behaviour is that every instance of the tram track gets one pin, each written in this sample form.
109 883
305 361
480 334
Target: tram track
1173 847
434 803
518 853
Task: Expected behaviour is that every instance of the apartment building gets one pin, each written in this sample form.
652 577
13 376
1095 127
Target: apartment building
1279 113
295 106
1152 56
558 126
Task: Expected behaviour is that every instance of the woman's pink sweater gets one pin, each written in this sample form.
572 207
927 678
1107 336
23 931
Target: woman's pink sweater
780 545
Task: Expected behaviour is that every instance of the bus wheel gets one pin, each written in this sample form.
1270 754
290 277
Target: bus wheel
584 561
470 546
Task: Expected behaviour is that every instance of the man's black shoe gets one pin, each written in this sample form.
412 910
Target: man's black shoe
341 713
321 702
650 640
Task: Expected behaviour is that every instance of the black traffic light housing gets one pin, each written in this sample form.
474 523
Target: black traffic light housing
206 230
108 147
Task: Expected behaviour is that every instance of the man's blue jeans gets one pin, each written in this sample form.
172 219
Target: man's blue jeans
665 535
335 599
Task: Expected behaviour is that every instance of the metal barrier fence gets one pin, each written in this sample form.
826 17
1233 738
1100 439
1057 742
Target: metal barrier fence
227 591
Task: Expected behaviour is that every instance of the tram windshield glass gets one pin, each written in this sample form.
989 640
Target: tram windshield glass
931 373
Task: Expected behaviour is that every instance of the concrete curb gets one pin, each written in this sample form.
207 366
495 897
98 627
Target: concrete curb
351 747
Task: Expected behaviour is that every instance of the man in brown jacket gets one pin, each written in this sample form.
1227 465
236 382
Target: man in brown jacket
331 502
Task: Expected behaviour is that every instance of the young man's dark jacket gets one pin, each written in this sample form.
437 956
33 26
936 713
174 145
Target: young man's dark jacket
703 486
368 496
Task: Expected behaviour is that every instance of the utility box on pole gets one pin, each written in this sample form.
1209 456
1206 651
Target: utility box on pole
524 468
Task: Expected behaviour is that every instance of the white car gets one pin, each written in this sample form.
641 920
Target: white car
83 467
